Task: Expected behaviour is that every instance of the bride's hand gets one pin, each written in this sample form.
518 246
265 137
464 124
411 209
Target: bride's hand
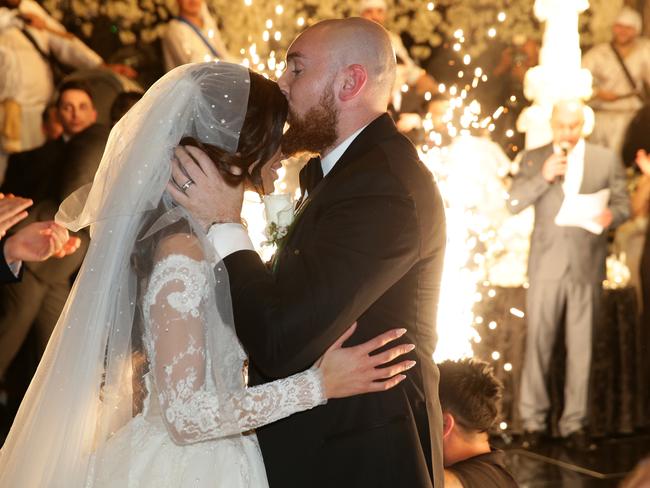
349 371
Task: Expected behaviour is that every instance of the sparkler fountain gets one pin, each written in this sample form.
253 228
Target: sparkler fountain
559 75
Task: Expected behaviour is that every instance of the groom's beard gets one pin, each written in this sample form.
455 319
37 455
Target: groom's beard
315 131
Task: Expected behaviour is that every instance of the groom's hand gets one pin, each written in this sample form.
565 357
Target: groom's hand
197 185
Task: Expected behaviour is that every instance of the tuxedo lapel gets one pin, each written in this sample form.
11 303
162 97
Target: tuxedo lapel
379 130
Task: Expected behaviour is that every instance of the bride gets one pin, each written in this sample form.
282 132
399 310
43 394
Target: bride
143 383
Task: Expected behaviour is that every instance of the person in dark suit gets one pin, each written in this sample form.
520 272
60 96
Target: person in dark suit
39 298
367 244
566 266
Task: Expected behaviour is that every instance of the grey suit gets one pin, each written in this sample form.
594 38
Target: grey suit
566 268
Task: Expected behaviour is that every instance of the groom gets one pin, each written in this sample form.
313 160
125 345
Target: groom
367 245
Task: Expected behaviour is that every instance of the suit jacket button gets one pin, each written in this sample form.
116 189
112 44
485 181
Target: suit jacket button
296 251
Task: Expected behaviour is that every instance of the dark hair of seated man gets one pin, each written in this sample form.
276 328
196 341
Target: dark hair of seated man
72 85
122 104
470 396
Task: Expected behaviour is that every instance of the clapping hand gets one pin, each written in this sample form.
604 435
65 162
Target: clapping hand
12 211
39 241
349 371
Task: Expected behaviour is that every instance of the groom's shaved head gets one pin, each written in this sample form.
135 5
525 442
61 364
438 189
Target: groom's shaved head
360 41
339 77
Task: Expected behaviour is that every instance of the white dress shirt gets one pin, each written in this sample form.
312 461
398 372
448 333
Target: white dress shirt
182 45
231 237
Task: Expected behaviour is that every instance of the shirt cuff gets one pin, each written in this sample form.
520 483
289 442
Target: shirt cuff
229 238
15 267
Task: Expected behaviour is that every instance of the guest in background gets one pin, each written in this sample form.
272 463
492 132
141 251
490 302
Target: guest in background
51 124
408 72
566 266
39 298
470 396
30 173
621 71
641 205
34 47
631 236
122 103
193 37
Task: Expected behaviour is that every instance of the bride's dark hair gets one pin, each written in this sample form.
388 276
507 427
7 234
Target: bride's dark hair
259 139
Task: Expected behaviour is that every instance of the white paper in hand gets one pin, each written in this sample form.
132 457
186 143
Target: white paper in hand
583 210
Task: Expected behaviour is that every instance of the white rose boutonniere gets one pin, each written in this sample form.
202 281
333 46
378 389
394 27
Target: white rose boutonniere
278 210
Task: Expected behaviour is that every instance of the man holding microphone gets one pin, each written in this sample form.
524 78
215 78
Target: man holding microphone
566 265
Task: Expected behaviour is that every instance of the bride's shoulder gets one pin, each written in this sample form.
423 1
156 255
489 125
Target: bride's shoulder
179 244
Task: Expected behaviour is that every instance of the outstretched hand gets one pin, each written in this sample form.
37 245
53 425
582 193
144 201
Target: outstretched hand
349 371
198 186
40 241
12 211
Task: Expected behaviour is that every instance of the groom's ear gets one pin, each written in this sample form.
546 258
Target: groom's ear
355 77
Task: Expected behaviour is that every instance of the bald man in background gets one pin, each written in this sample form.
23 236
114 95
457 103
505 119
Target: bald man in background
367 245
566 266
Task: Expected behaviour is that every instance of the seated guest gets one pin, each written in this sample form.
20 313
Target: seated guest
122 104
470 395
51 124
39 298
28 171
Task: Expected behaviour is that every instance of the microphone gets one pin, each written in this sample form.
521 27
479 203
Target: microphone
564 147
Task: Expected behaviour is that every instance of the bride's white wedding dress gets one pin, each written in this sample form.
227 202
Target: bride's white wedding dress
143 293
187 435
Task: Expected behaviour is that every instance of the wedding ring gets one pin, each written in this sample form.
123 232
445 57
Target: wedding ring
187 184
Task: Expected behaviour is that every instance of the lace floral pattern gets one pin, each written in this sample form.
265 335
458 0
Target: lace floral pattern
175 338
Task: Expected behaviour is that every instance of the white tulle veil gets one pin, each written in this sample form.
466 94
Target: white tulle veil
88 384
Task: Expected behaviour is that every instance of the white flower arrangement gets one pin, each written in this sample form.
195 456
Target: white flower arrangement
278 210
429 24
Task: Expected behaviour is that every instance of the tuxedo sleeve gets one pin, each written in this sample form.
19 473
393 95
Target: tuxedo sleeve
7 274
364 240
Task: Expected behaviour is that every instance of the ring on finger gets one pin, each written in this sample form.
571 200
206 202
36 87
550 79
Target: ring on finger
187 184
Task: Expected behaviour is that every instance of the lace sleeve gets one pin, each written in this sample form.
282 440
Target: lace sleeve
176 343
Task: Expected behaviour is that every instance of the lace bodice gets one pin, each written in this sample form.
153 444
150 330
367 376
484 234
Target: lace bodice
175 305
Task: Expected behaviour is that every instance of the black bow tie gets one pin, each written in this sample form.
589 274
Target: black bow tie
311 175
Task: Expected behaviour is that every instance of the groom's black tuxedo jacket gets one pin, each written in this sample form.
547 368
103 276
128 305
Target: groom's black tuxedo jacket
368 246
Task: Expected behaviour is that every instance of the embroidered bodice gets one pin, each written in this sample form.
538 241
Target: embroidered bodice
194 405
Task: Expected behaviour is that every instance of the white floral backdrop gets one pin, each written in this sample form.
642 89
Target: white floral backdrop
245 22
